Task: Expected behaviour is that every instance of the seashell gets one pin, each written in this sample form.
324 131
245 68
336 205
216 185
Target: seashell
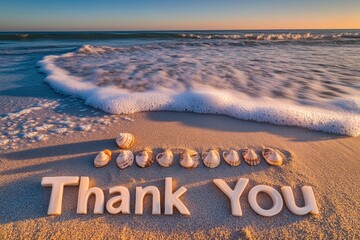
232 158
165 158
103 158
125 159
189 159
272 156
211 158
250 157
125 140
144 158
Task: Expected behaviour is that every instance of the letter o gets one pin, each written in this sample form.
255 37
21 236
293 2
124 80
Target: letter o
275 197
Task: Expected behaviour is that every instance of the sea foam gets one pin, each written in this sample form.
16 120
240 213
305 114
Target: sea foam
273 36
332 116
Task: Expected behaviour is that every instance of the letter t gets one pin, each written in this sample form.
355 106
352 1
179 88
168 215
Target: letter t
57 184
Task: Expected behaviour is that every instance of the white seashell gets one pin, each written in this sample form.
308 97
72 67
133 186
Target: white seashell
272 156
232 158
125 140
145 158
189 159
250 157
125 159
103 158
211 158
165 158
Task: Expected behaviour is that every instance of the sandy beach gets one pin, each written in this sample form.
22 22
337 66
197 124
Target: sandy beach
46 134
328 163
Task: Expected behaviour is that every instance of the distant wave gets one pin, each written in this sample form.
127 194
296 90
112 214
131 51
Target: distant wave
270 36
233 35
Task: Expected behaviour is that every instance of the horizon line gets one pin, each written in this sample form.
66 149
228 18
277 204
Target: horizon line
179 30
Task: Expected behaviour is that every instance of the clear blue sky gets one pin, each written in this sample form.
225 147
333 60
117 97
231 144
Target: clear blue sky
16 15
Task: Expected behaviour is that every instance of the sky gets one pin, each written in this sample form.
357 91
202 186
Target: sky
87 15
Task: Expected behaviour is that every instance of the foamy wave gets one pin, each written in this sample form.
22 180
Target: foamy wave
88 49
342 119
279 36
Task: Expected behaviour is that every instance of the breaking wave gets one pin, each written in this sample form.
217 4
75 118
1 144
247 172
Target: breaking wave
283 85
271 36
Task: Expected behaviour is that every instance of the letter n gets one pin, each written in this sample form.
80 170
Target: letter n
140 194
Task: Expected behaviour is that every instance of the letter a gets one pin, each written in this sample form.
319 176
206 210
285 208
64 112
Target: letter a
57 184
123 198
309 199
233 195
172 199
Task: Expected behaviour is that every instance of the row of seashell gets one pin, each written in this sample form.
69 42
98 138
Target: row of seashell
188 158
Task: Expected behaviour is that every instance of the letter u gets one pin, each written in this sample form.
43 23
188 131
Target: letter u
309 199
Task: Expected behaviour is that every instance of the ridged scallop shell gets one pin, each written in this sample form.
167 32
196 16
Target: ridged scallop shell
232 158
125 140
103 158
211 158
189 159
272 156
125 159
144 158
250 157
165 158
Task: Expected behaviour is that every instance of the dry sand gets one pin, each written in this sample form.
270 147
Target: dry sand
328 163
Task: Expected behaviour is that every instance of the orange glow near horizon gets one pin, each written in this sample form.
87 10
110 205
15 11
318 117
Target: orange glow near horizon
308 22
184 15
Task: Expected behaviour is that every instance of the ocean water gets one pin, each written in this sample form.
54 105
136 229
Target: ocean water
308 79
